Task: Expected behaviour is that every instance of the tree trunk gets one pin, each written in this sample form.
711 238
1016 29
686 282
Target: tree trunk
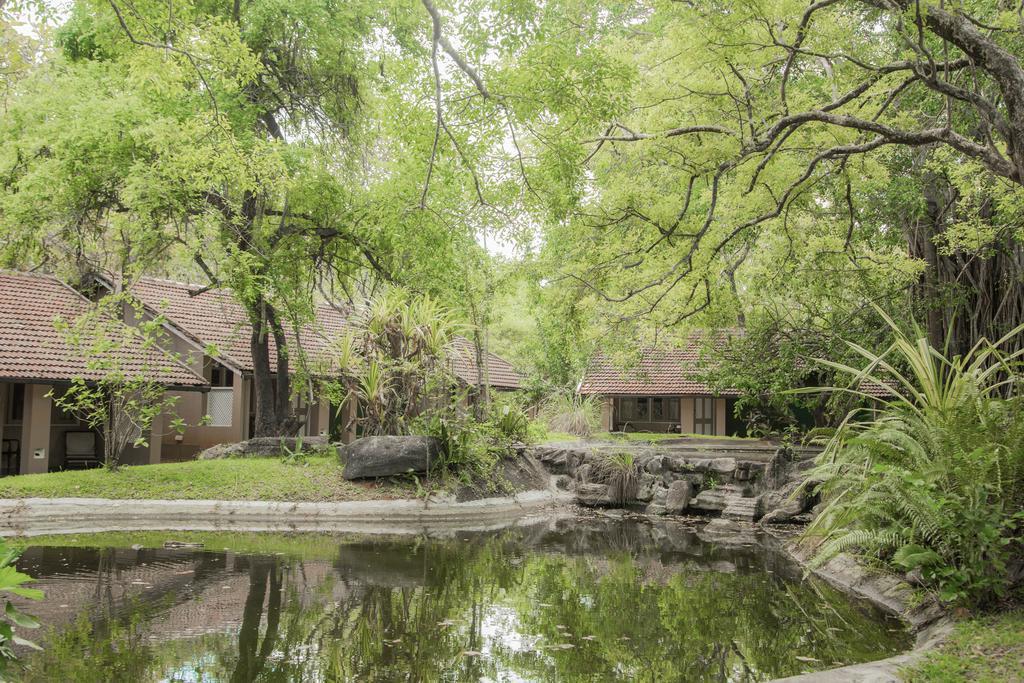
966 296
272 389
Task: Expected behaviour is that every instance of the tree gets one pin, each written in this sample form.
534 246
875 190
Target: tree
277 149
124 394
880 135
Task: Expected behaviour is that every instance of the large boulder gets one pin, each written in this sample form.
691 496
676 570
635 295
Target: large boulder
678 497
266 447
386 456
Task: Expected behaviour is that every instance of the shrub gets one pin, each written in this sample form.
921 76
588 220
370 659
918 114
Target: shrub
509 419
572 414
933 478
620 472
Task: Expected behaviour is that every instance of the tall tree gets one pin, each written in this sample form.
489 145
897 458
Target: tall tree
801 130
280 149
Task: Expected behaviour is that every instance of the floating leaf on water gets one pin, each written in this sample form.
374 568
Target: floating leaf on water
805 659
471 653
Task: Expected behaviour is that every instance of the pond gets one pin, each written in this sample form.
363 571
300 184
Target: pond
579 599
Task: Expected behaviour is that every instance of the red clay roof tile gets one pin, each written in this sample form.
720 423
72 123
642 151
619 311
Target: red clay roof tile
32 349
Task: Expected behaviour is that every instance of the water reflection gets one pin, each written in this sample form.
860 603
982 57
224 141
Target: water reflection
582 600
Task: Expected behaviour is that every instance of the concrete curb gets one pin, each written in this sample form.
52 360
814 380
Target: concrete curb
39 516
928 621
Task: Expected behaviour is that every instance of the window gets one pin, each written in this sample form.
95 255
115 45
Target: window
16 404
664 409
220 376
220 406
62 417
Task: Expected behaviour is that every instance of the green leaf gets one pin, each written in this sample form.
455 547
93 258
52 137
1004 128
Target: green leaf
20 618
913 556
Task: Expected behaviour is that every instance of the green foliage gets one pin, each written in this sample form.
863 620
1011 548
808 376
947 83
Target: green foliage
393 360
470 450
12 582
933 479
571 413
123 393
509 418
620 472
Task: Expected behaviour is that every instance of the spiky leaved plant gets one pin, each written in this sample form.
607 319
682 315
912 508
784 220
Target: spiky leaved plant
620 472
571 414
932 477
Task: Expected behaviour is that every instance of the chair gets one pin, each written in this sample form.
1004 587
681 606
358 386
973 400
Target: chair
80 450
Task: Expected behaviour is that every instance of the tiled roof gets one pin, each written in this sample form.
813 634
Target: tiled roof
214 317
676 372
500 373
659 372
32 349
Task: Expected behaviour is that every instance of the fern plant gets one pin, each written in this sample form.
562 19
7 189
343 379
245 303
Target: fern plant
931 478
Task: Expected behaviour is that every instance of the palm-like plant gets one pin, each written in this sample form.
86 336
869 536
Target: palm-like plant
393 359
932 477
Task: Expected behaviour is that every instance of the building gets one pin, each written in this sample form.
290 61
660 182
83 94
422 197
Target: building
499 373
205 360
36 364
662 392
211 332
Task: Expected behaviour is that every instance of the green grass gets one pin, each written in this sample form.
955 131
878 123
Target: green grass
989 649
648 437
315 479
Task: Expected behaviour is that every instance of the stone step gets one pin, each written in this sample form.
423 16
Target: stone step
716 499
740 509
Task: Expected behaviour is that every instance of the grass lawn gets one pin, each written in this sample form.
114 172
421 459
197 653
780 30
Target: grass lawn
314 479
988 648
648 437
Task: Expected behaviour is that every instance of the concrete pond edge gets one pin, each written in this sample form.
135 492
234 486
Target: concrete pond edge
27 517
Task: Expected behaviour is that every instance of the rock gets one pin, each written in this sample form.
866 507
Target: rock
915 577
583 472
593 495
385 456
723 465
265 446
660 494
728 532
678 465
554 459
655 509
645 487
740 509
655 465
678 497
716 499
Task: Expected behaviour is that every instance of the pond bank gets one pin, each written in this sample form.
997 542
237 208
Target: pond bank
38 516
927 619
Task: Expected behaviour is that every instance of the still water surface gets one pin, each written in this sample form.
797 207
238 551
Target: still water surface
586 599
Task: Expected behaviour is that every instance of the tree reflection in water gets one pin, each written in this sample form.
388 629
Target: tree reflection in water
595 599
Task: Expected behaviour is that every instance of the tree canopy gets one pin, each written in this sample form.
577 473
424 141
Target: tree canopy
769 164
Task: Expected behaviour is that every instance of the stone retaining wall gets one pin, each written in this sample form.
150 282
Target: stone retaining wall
740 481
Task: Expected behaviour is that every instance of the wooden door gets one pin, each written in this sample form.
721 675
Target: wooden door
703 415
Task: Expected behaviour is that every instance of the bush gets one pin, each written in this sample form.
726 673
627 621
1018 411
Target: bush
571 414
620 472
933 479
